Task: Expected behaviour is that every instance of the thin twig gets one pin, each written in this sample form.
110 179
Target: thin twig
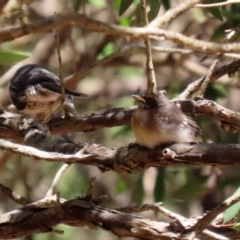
195 86
208 78
213 235
60 67
168 213
153 207
180 220
173 13
221 4
58 199
130 50
204 222
141 208
60 75
60 63
4 159
13 196
151 79
178 51
56 179
230 37
57 231
47 156
91 188
82 73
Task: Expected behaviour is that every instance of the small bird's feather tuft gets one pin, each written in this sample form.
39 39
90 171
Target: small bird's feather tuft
159 121
37 92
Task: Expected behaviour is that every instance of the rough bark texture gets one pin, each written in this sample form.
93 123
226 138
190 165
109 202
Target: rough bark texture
9 122
41 216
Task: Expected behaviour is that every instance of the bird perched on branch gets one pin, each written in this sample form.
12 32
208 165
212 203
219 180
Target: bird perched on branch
158 120
37 92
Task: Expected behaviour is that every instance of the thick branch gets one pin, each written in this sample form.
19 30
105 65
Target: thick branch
41 216
92 121
132 157
46 25
9 122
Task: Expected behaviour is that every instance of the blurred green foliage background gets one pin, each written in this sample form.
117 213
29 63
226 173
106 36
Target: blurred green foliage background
186 190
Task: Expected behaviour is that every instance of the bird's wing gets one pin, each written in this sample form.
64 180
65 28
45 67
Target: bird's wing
49 81
194 127
178 117
48 84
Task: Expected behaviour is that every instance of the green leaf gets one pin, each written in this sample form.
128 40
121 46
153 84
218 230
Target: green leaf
159 190
236 227
98 3
120 186
123 131
215 11
166 4
154 9
219 32
216 91
138 15
125 21
138 191
125 4
108 49
77 5
232 211
193 187
223 91
8 57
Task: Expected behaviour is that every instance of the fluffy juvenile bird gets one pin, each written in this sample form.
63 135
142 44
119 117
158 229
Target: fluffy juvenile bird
157 120
35 91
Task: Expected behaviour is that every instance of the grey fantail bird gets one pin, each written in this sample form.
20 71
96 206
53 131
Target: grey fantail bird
158 120
35 91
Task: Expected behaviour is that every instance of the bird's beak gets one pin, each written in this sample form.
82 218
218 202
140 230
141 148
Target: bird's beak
138 98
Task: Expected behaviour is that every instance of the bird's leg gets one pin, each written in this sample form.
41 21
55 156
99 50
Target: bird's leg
68 107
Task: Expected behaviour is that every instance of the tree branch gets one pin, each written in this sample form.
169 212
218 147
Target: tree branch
220 4
41 216
151 78
205 221
195 86
9 122
56 179
208 77
73 78
80 20
132 157
173 13
12 195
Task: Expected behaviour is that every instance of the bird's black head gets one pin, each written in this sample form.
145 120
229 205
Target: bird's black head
151 101
26 76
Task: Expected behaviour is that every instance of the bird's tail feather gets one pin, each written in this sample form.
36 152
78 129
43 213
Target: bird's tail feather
75 93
